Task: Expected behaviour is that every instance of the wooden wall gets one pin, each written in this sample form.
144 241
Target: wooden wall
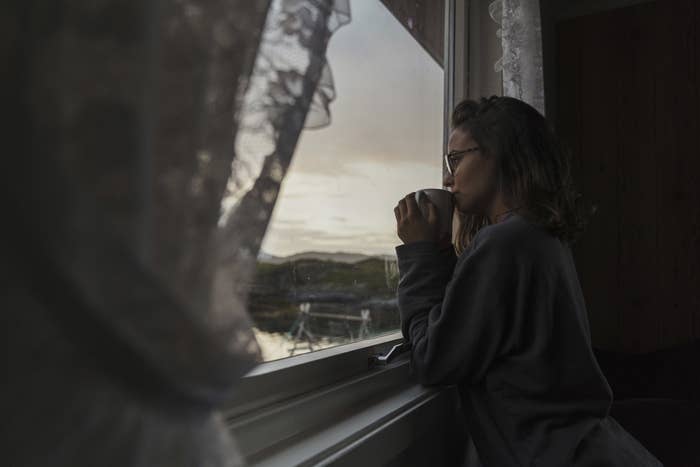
627 103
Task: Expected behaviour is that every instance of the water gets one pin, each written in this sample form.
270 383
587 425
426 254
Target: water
276 345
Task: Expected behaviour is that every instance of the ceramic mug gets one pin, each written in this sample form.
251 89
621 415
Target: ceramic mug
444 205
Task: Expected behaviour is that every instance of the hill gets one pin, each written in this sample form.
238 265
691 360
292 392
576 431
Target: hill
337 257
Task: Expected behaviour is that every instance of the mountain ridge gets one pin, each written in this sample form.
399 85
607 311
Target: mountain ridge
338 257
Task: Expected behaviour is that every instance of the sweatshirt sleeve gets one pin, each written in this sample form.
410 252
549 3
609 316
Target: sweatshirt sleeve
457 323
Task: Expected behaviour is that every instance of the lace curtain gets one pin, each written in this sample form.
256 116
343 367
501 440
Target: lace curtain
521 39
135 223
290 89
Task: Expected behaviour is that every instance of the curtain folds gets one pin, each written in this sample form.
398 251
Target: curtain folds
521 39
126 270
291 89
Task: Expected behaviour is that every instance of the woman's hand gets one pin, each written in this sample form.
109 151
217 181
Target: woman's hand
411 226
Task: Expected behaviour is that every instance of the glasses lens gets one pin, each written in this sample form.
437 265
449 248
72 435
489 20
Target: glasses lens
447 164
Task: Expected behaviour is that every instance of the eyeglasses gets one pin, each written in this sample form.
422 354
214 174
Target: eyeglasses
453 158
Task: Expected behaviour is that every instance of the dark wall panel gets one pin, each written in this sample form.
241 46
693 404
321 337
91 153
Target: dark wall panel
636 179
585 92
627 105
678 169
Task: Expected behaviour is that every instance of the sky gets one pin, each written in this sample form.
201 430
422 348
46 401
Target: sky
384 141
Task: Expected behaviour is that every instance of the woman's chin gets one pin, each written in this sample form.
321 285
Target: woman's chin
458 203
463 208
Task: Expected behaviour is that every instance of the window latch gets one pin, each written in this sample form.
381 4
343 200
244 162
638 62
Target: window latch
391 355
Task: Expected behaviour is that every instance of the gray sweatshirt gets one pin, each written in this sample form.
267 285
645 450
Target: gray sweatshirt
507 323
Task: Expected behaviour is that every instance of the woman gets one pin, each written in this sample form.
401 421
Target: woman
506 321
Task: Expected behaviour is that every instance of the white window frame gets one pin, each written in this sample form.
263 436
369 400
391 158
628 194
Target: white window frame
312 408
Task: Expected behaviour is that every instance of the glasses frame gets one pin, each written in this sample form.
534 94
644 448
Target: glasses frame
451 158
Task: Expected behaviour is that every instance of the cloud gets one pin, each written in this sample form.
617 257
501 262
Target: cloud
379 115
384 140
290 222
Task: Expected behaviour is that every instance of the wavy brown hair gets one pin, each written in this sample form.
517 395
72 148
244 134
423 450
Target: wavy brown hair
534 168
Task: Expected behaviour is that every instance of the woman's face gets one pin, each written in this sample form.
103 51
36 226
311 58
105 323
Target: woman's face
474 182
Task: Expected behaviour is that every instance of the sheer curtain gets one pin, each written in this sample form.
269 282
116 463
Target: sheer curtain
291 89
521 39
125 267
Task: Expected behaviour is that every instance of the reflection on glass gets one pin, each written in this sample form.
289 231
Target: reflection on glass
327 271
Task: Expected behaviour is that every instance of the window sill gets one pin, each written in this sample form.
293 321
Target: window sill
344 422
281 380
344 438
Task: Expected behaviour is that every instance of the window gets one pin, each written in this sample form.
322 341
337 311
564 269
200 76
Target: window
326 273
385 140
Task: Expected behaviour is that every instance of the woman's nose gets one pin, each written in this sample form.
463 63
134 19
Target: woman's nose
448 181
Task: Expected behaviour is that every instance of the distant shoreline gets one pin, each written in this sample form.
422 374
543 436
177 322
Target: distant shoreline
338 257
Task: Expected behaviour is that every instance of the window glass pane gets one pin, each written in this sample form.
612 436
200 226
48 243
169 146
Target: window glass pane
327 270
